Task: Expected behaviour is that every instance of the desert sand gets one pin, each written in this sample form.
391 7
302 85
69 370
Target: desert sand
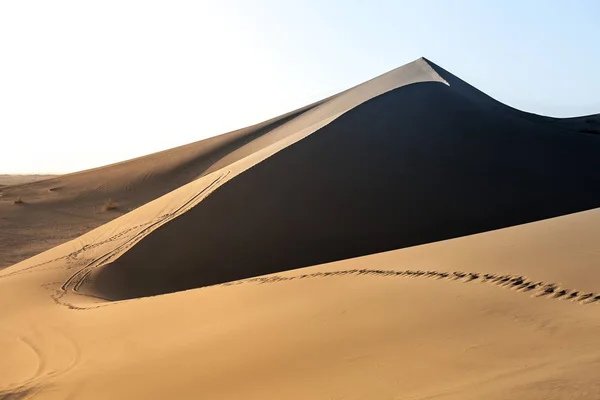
10 179
409 238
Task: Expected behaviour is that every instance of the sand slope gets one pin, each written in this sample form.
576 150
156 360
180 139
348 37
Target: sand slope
326 331
9 180
411 157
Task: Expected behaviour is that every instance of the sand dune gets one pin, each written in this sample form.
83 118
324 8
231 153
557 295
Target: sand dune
8 179
421 163
411 157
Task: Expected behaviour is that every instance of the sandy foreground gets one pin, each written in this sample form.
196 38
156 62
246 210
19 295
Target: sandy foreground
243 266
370 327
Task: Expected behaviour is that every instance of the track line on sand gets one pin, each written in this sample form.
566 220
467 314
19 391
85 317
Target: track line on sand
74 282
147 226
48 366
517 283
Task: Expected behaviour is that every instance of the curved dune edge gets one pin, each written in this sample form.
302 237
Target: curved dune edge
517 283
514 282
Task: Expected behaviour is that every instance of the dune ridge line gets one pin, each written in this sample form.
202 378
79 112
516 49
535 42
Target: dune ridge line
516 282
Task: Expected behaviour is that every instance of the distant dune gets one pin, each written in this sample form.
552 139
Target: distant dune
8 179
407 238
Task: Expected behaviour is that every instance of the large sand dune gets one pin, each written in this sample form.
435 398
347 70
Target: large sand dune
411 157
73 204
417 164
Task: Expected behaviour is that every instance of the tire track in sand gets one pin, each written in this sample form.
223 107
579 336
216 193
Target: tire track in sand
76 280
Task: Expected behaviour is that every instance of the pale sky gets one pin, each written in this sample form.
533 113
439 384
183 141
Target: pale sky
88 83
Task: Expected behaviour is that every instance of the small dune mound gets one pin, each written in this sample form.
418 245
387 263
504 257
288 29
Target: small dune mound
110 205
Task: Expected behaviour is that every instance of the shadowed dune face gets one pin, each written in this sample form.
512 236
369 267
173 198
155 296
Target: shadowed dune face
421 163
